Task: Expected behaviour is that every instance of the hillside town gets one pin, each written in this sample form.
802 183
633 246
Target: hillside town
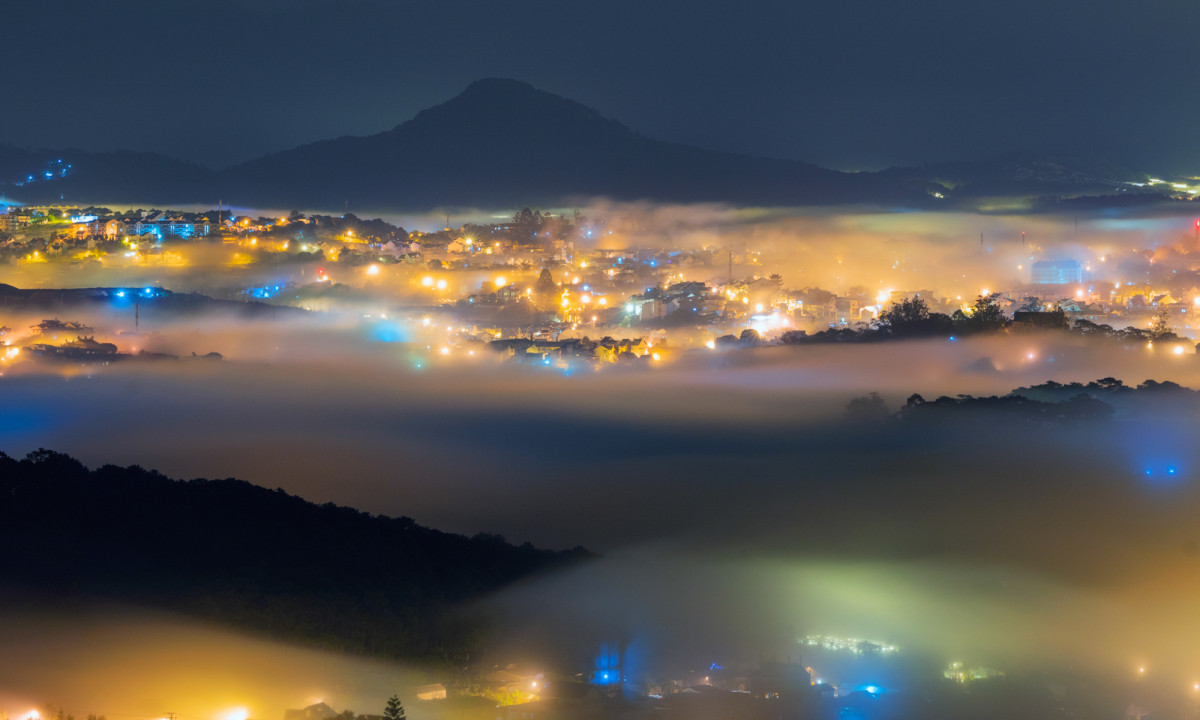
560 288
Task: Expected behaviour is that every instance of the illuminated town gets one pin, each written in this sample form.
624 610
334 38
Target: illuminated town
572 291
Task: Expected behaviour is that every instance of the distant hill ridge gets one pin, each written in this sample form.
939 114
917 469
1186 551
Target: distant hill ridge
250 557
505 143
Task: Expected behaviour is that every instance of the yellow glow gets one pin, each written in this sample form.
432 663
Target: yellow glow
656 356
711 344
585 298
883 296
236 714
372 269
1178 349
603 301
501 281
427 281
441 284
445 351
985 292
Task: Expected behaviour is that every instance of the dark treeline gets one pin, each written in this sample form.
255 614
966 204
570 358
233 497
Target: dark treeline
1048 404
250 557
911 319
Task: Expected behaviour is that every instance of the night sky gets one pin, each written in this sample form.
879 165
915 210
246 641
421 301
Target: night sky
854 84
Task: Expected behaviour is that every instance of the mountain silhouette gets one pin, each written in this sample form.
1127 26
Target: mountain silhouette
504 143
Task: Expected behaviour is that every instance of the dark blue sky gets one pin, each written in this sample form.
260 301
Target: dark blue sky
848 84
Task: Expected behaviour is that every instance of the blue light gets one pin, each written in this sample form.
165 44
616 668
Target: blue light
873 689
1149 472
120 293
1171 470
953 339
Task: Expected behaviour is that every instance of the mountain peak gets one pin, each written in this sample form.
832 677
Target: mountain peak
498 85
518 101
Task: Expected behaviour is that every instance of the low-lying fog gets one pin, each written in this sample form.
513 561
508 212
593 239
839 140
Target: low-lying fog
736 502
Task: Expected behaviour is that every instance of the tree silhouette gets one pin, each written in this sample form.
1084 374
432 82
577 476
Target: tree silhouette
394 710
986 315
911 316
1160 327
545 283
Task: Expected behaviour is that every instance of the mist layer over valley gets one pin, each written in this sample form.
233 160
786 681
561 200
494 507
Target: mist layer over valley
742 496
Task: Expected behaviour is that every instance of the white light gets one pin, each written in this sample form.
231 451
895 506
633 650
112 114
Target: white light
441 284
372 269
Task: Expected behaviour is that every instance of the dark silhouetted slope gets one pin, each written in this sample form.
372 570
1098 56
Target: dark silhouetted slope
76 176
250 557
503 142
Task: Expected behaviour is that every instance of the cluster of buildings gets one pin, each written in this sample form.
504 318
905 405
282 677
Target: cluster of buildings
640 288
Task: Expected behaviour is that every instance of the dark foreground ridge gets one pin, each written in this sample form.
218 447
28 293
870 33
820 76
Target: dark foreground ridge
252 558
